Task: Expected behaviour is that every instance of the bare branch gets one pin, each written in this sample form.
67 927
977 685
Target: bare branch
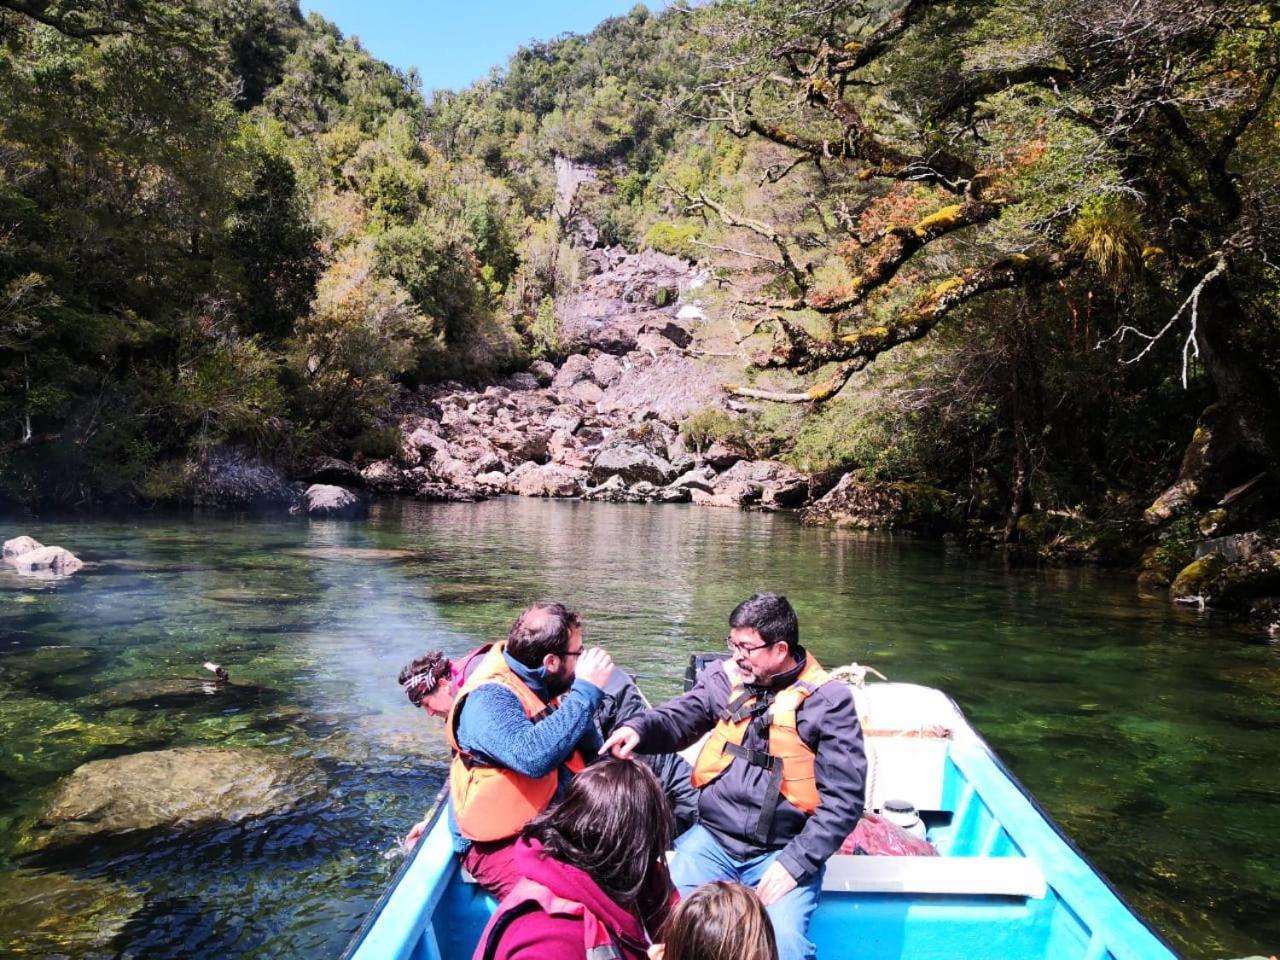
981 86
1190 345
758 227
817 394
737 252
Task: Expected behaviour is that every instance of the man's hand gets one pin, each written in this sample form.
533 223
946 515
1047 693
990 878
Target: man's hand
775 884
413 836
595 666
622 742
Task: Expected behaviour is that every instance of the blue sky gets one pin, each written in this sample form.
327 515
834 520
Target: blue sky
454 42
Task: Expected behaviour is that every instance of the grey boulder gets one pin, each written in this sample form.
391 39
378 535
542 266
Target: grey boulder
179 788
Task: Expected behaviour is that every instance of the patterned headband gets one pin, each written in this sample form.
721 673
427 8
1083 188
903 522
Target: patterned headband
428 678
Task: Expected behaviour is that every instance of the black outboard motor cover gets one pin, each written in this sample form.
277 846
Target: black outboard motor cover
697 663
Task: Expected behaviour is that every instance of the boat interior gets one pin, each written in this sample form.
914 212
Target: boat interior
1006 883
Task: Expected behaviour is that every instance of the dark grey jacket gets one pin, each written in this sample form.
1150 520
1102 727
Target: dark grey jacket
623 701
730 805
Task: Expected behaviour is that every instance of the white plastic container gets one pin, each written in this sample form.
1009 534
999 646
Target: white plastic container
904 814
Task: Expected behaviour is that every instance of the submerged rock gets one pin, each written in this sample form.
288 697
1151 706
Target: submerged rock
54 914
180 692
47 562
48 662
374 554
183 787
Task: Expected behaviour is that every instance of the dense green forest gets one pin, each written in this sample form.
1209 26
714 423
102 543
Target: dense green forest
1026 253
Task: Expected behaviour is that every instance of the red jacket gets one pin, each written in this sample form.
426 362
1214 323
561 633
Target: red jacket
536 935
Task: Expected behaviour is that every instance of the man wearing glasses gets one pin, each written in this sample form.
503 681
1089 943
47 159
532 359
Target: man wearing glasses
780 777
521 726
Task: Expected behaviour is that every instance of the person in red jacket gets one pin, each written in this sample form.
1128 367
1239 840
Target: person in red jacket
595 883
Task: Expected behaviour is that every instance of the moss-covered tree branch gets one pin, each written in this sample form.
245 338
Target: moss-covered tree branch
855 350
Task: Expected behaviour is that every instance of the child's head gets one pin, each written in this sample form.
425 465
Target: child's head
720 921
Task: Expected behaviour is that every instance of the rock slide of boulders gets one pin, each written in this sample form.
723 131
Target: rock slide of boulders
182 787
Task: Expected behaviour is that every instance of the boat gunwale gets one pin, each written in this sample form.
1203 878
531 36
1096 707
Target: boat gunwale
978 740
371 918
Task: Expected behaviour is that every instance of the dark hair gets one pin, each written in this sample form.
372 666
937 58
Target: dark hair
771 616
422 676
542 629
720 921
613 822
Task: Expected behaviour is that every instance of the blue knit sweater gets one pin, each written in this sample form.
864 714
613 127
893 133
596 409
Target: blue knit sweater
493 728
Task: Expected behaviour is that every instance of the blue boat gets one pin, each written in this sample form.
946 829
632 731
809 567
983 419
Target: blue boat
1007 885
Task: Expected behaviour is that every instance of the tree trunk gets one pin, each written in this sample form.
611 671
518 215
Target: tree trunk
1246 389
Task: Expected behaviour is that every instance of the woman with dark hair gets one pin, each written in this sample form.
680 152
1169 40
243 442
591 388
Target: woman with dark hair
595 882
718 921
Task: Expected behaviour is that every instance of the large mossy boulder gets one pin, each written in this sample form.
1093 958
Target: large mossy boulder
1190 583
56 915
233 480
177 788
1238 573
880 505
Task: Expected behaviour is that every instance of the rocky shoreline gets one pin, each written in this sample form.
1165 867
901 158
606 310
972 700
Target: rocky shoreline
609 423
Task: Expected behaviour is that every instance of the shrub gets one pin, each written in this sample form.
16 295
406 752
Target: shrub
673 238
711 424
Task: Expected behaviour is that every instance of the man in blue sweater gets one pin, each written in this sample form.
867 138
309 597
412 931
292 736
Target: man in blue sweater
522 725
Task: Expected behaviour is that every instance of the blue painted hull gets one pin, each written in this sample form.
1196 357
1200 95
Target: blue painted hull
1007 886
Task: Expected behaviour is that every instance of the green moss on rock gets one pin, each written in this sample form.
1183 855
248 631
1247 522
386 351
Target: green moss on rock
885 505
1194 578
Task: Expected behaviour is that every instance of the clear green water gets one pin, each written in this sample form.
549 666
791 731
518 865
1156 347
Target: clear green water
1149 733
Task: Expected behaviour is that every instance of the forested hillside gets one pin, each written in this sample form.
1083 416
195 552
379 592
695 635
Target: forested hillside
1023 256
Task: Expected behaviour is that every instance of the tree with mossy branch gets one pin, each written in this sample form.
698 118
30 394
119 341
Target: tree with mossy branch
1059 148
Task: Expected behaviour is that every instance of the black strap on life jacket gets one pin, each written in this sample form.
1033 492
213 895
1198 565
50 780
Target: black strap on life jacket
739 708
772 791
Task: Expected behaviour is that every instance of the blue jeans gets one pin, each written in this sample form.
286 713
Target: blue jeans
700 859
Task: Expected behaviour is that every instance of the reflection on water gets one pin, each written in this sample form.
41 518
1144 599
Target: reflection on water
1148 732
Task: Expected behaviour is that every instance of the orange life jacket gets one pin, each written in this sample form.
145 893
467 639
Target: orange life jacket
493 803
789 759
528 895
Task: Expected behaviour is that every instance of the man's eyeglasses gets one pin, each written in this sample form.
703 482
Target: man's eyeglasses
742 647
570 653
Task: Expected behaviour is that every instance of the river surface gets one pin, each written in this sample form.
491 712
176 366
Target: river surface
1148 732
